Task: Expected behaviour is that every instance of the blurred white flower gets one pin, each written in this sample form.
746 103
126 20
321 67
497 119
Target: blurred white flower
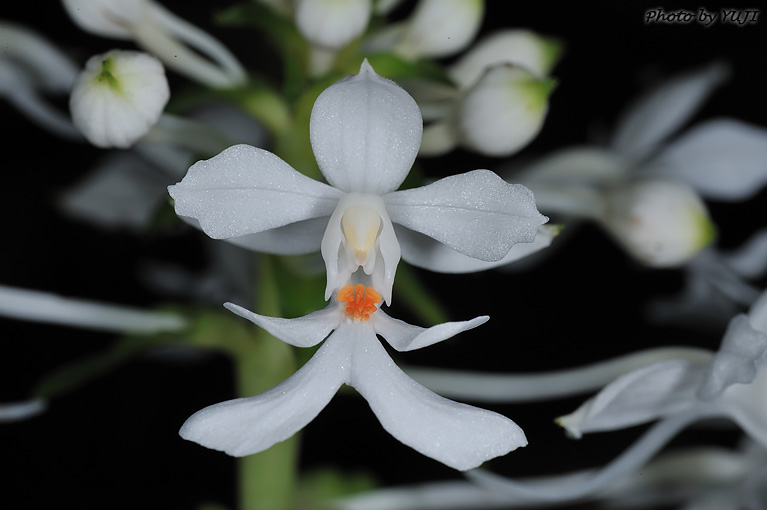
118 97
661 222
436 28
720 159
503 111
365 132
332 23
498 114
439 28
707 477
732 384
30 68
37 306
519 47
716 285
455 434
161 33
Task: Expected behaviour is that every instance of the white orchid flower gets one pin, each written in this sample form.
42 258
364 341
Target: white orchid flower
32 67
163 34
721 159
365 132
732 384
455 434
118 97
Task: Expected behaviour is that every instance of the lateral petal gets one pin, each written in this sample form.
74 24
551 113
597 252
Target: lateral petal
476 213
303 331
297 238
245 426
458 435
245 190
423 251
406 337
663 110
723 159
365 132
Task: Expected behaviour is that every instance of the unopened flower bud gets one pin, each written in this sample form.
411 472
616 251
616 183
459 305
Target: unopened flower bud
660 222
118 97
332 23
439 28
503 111
523 48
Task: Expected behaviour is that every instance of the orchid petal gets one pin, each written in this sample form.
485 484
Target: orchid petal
22 94
750 259
182 46
515 388
757 314
743 350
423 251
573 166
45 307
365 132
303 331
745 403
514 46
18 411
658 390
662 111
297 238
438 28
458 435
245 190
123 191
107 18
475 213
53 69
249 425
723 159
405 337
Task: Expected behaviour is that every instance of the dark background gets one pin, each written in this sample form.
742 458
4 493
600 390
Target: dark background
114 443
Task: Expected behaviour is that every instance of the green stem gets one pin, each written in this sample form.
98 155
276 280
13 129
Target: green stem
409 289
267 479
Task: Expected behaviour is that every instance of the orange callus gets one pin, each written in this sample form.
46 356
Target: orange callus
360 301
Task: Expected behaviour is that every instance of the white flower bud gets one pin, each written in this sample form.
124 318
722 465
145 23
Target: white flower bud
332 23
662 223
523 48
503 111
439 28
118 97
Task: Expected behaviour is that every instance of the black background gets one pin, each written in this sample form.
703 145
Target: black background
114 443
